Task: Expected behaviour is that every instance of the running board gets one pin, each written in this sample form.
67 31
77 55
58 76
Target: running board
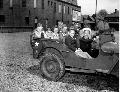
87 70
80 70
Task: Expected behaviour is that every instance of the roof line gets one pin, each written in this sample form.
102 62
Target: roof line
69 3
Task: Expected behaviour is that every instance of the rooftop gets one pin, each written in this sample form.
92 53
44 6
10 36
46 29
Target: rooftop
63 1
71 1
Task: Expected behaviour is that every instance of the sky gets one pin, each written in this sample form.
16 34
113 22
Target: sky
88 6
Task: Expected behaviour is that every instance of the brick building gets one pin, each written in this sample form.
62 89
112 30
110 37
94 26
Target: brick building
24 12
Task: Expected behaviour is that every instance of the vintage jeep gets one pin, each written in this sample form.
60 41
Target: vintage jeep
55 57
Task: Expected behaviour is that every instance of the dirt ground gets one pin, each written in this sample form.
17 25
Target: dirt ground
19 71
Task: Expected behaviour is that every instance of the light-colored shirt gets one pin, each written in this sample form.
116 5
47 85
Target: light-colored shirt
38 32
55 36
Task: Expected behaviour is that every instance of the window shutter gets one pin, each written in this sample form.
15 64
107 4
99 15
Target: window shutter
64 9
11 3
60 8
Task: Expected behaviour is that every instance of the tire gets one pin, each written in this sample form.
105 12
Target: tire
52 67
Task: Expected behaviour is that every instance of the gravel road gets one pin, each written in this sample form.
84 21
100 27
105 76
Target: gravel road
19 71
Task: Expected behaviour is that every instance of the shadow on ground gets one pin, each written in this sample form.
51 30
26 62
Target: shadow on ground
96 81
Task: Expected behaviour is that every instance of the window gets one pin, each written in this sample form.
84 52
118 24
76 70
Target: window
51 3
1 3
42 4
2 18
64 9
27 20
23 3
60 8
35 4
54 7
48 2
68 10
11 3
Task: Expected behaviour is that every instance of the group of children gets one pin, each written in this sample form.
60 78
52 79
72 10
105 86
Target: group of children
39 32
61 32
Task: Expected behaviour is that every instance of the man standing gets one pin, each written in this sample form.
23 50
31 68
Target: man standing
102 25
39 32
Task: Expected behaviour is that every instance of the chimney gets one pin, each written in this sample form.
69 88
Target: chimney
115 10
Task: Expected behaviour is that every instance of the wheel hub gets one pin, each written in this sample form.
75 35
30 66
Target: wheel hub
51 66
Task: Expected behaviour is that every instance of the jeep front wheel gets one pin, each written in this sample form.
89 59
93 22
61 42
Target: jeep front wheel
52 67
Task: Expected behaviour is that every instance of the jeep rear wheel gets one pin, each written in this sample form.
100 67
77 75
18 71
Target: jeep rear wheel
52 67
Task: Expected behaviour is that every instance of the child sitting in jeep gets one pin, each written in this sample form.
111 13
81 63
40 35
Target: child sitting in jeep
49 34
39 32
73 45
55 34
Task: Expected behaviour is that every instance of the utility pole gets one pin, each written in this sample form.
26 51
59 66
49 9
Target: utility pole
96 8
62 6
96 15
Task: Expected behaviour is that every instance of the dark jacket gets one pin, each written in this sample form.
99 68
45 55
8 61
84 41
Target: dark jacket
71 42
85 45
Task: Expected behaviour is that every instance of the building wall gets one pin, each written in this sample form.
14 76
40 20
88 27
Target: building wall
15 16
4 11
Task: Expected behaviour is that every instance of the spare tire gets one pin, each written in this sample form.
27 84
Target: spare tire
110 47
52 67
